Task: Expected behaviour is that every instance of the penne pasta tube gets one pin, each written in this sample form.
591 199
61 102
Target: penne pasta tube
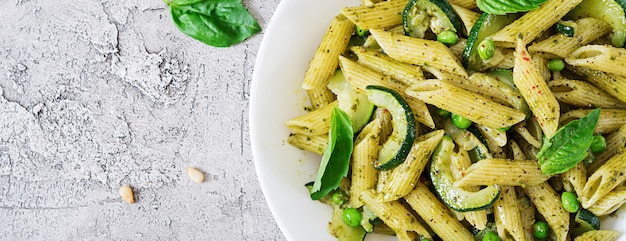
604 58
610 202
379 15
609 121
582 94
365 152
602 181
417 51
394 214
535 91
324 63
504 172
360 77
314 123
406 73
604 235
315 144
436 214
533 23
404 177
549 206
586 30
470 105
615 85
507 214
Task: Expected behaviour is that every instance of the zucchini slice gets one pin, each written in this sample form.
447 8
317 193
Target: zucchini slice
455 197
565 27
419 15
611 11
355 104
398 145
586 221
486 25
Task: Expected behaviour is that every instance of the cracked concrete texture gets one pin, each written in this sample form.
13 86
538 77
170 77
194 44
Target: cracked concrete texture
95 94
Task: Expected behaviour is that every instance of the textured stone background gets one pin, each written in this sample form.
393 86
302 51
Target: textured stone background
95 94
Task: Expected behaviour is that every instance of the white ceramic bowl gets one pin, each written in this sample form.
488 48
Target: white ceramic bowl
289 43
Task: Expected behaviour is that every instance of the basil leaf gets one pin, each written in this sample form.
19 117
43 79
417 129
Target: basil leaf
569 145
501 7
336 158
181 2
219 23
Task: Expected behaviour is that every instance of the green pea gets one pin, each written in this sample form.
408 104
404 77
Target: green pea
362 32
443 113
447 37
598 144
352 217
423 239
570 202
460 121
540 229
556 65
339 197
491 236
486 49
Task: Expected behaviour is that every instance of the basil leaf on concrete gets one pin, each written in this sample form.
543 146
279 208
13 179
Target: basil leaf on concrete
569 145
219 23
336 158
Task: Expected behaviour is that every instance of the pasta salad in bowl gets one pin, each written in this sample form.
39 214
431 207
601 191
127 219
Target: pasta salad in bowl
443 119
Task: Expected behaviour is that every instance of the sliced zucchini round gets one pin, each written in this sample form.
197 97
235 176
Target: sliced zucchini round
455 197
611 11
486 25
355 104
438 15
398 145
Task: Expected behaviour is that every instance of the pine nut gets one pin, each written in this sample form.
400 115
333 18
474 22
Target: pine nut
127 194
194 174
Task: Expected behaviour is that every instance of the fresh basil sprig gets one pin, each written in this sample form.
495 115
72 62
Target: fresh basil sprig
569 145
501 7
219 23
336 158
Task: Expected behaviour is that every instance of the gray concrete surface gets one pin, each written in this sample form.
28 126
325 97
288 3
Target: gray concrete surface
95 94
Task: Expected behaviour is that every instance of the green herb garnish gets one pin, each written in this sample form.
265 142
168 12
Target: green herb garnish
569 145
336 158
501 7
219 23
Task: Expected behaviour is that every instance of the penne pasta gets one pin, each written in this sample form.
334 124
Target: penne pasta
605 179
615 85
394 214
504 172
507 214
604 58
609 121
470 105
404 177
324 62
379 15
535 91
420 52
549 206
582 94
315 144
314 123
406 73
436 214
586 31
365 152
609 202
533 23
